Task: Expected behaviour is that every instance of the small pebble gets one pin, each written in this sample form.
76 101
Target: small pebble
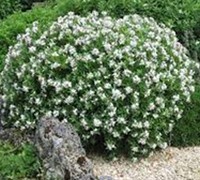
105 178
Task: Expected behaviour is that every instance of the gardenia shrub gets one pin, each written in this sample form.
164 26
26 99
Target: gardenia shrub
124 80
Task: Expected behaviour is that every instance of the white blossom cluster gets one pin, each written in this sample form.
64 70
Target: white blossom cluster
123 79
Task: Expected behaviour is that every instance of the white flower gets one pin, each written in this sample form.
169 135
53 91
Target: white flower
118 82
17 124
135 149
146 124
56 113
35 27
136 79
23 117
95 52
126 130
107 86
97 122
155 116
121 120
103 96
107 47
139 125
153 146
170 127
38 101
179 116
25 89
69 100
128 90
32 49
110 146
55 54
22 128
159 100
134 159
163 145
176 97
75 111
116 134
142 141
72 50
151 106
127 72
48 114
67 84
133 43
163 87
55 65
134 106
145 134
112 113
192 88
116 94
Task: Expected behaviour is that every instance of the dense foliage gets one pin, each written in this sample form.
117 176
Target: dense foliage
18 162
122 79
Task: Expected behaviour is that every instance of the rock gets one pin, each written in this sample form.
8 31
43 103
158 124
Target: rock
7 134
15 136
61 151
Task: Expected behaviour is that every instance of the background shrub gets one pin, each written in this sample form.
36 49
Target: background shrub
124 80
186 131
28 4
8 7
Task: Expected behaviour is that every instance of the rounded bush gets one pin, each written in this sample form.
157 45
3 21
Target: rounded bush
124 80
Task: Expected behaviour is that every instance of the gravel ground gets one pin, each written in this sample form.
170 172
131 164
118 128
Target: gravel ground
169 164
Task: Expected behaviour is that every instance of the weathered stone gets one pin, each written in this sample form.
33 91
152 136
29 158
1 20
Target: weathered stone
7 134
15 136
61 151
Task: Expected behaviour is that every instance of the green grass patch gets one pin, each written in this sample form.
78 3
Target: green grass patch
18 162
